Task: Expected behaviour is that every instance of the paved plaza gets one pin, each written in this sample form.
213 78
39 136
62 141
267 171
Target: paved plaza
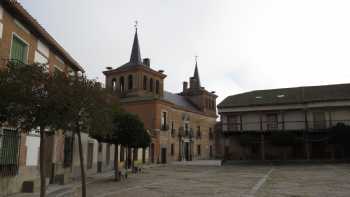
234 180
246 180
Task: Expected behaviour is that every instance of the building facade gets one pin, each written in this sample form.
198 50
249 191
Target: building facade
181 125
288 123
22 39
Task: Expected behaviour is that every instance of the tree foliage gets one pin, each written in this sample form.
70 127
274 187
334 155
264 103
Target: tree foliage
128 130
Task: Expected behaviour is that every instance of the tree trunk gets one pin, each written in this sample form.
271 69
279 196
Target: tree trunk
82 169
42 163
129 158
116 163
126 158
143 155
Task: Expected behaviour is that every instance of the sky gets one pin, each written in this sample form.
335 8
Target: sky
242 45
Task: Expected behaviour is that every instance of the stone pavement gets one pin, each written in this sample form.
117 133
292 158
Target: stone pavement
309 180
199 163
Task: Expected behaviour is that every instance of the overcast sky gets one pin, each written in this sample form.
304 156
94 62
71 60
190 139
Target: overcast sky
242 44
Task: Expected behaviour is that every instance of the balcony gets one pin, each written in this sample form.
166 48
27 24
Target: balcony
164 127
173 134
268 126
185 133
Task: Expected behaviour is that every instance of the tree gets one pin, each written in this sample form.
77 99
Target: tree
128 131
90 111
31 100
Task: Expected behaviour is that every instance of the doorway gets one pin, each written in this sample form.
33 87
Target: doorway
186 151
163 160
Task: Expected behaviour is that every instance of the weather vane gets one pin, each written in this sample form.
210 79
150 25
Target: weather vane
136 24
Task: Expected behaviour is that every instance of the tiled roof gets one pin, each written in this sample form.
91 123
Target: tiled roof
179 101
297 95
17 10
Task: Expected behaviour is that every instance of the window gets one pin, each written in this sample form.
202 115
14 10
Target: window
271 121
199 150
319 120
108 154
9 152
164 121
232 123
211 135
121 84
19 50
186 129
145 82
157 87
210 151
130 82
199 135
172 149
172 129
151 85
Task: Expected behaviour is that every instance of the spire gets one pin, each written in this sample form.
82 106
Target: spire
135 52
196 75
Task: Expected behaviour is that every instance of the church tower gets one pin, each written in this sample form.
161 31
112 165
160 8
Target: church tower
204 100
136 78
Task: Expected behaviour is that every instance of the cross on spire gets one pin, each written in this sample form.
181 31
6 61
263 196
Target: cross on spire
136 24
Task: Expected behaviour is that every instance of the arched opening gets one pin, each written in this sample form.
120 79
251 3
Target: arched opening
157 87
151 85
114 84
130 82
121 84
145 82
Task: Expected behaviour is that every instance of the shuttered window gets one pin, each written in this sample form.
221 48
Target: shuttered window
9 152
19 50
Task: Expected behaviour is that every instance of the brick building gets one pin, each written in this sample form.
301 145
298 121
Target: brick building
23 39
181 125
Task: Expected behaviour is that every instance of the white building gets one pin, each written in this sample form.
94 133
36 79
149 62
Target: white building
251 121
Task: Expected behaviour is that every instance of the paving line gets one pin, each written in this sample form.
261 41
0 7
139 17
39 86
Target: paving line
261 182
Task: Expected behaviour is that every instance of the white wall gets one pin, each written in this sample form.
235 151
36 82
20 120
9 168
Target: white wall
33 145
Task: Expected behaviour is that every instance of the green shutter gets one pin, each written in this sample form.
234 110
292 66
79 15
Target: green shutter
19 50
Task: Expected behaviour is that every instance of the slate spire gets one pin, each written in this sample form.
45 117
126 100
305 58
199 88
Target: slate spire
196 75
135 57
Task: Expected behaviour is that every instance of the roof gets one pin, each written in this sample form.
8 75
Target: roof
18 11
296 95
135 60
179 101
135 51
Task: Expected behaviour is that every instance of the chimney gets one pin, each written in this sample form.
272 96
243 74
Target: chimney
184 87
147 62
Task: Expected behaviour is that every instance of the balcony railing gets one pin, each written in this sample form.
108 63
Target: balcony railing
164 127
312 126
